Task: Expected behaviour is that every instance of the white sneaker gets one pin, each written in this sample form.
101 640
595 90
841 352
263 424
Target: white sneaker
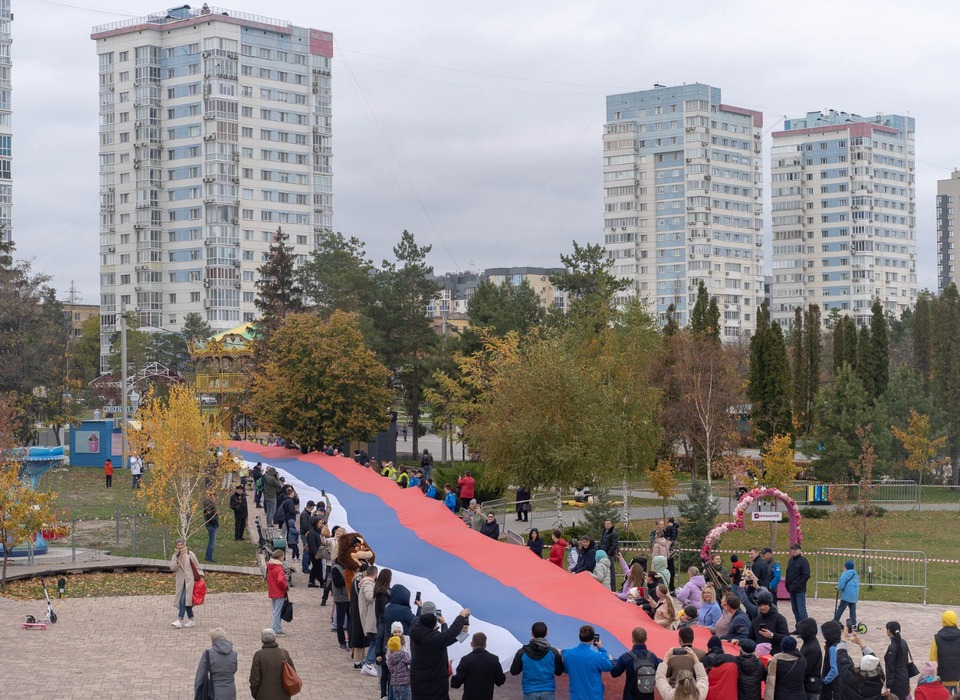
178 624
369 670
189 623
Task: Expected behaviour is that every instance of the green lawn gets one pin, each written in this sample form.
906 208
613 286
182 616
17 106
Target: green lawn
82 495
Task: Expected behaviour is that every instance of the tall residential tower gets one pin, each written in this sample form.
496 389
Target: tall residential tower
683 187
844 220
948 202
215 131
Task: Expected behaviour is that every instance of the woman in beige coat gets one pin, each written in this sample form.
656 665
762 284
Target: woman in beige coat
183 596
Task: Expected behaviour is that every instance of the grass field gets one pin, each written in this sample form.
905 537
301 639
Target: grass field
133 583
82 495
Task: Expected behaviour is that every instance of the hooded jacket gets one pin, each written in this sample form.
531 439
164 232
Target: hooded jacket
690 593
398 609
601 567
428 658
750 677
557 551
849 583
659 564
946 648
785 676
271 483
539 663
856 684
810 650
223 668
832 632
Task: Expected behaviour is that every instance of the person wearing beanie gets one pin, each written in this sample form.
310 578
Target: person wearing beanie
736 570
751 673
945 650
398 667
832 634
428 653
811 651
688 617
479 671
896 662
863 681
848 586
721 668
929 686
769 625
786 672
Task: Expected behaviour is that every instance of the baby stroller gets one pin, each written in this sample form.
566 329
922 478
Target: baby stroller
32 623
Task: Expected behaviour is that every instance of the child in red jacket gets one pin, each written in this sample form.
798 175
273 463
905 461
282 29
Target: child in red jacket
558 548
277 587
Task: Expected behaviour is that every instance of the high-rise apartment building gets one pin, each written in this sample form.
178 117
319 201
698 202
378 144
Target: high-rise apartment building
215 131
683 187
948 202
6 124
844 221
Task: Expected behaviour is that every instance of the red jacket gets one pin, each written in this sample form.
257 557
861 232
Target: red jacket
108 468
557 550
723 682
276 579
466 484
931 691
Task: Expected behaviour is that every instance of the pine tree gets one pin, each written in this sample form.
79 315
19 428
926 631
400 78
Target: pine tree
801 385
813 349
768 385
880 348
844 343
713 320
699 322
922 342
671 327
865 365
698 515
946 370
278 289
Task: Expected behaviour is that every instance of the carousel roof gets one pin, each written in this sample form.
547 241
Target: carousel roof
237 339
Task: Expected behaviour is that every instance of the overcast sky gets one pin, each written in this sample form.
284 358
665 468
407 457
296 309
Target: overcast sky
477 126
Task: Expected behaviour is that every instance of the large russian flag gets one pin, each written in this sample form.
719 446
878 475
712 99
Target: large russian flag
429 549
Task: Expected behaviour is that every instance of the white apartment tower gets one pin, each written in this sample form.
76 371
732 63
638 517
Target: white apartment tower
6 124
948 201
215 131
683 193
844 219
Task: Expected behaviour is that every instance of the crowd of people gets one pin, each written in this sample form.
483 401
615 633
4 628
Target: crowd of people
404 642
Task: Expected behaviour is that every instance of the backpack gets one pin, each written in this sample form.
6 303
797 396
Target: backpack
646 672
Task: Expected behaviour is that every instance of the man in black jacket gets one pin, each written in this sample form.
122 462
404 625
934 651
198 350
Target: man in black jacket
638 657
786 672
238 504
306 515
798 573
769 625
479 671
428 655
610 543
761 570
312 549
863 681
751 671
586 556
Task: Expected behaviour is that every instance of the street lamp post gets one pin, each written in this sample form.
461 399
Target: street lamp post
122 321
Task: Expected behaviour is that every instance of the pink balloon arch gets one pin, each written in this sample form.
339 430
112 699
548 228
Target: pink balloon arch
793 513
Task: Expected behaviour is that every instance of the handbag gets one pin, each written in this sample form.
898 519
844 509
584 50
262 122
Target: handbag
291 680
912 669
525 507
286 612
199 586
205 690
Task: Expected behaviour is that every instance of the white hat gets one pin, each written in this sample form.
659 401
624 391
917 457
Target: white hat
396 628
869 662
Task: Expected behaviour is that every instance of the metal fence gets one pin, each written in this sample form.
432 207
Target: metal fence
878 568
811 492
133 535
546 513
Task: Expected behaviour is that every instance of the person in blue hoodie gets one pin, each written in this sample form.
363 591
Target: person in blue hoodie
585 664
849 587
539 663
830 688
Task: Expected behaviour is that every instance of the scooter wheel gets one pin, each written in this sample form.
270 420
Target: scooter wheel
53 617
31 620
861 628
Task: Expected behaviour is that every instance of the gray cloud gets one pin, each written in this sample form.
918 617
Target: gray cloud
509 170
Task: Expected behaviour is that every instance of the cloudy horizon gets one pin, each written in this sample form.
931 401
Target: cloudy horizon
479 128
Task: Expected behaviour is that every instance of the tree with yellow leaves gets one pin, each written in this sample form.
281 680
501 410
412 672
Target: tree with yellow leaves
187 455
921 447
23 511
779 469
663 482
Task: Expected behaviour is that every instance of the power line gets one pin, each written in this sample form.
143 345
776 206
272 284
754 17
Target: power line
82 8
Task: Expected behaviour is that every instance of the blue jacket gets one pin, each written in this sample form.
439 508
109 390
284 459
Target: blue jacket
849 585
398 609
431 491
776 573
739 627
709 614
450 501
584 663
539 663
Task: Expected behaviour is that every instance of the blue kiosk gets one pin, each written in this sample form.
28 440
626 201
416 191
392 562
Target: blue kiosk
94 442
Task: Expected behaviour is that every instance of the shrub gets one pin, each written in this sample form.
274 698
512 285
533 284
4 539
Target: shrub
814 513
